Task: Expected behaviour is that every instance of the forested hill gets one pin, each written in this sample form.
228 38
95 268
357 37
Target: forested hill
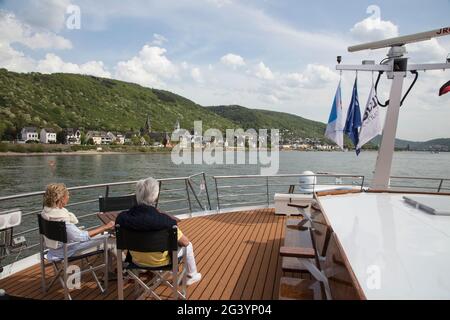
72 100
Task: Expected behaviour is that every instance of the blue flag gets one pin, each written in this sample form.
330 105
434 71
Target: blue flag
353 122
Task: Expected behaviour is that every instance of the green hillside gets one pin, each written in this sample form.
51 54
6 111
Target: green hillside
72 100
264 119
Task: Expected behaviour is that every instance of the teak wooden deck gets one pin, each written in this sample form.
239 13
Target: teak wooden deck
237 254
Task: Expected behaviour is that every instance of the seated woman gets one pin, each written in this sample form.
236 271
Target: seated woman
56 197
145 217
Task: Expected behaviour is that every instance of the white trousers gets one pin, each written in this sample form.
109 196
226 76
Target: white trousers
191 266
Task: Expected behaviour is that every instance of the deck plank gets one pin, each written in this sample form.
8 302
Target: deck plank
243 269
258 291
228 265
216 260
253 263
272 264
237 254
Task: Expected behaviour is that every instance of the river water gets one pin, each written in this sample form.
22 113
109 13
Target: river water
31 173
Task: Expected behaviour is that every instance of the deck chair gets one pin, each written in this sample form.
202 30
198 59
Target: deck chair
56 230
110 207
154 241
114 204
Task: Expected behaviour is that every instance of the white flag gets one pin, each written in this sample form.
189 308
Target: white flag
371 123
335 127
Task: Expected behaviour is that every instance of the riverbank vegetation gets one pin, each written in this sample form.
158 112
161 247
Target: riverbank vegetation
62 148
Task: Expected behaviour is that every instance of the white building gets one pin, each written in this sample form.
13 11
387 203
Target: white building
72 136
107 138
48 135
29 134
120 138
95 136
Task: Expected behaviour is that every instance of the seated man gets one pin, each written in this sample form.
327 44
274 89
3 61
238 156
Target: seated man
56 197
145 217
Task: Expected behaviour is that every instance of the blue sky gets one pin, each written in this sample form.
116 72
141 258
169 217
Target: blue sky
274 54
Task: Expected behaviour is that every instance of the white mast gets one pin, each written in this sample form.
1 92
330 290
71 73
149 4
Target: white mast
396 68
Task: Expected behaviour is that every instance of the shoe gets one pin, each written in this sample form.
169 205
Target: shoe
196 277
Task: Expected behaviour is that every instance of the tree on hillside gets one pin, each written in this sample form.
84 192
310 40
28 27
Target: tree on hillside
83 138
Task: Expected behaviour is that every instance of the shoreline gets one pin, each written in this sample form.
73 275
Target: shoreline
95 153
75 153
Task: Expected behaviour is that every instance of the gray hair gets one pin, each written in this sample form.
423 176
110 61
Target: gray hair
147 191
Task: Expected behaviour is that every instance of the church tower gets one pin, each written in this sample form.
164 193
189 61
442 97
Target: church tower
177 125
147 129
148 125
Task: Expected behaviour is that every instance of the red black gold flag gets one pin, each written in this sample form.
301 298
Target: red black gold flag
445 89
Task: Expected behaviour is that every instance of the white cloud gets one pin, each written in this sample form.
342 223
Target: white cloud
47 40
14 31
197 75
149 68
232 60
52 63
427 51
263 72
374 28
158 40
14 60
315 76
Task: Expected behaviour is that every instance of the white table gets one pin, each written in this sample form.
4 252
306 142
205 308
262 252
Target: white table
395 250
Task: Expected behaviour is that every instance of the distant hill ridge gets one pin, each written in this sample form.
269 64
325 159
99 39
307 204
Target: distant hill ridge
265 119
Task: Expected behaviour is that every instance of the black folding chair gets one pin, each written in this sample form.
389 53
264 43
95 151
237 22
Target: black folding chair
109 204
154 241
56 230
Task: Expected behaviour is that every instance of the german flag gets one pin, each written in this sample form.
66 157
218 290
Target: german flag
445 89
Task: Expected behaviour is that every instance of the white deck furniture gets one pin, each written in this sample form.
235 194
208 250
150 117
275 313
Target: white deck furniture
395 250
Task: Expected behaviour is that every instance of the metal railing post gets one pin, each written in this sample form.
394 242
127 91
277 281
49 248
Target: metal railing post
188 196
206 189
159 192
195 195
440 185
217 194
267 191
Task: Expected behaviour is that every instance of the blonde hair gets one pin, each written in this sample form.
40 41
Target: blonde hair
54 194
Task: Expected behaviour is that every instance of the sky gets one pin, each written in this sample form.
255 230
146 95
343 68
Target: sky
269 54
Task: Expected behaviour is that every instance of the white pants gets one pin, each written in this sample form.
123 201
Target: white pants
190 259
